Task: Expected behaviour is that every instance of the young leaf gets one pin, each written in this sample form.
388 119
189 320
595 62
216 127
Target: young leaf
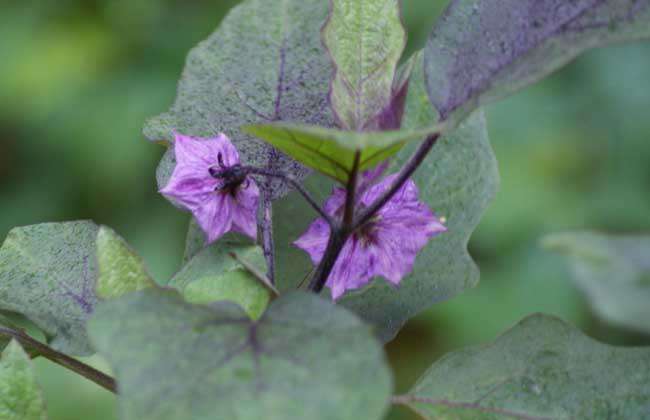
48 274
214 275
365 39
483 50
121 270
264 63
541 369
304 359
20 395
331 151
612 271
458 180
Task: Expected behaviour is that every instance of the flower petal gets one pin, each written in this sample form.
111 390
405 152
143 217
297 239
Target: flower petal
244 215
353 269
215 216
314 240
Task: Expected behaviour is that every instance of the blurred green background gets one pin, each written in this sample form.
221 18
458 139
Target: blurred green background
78 78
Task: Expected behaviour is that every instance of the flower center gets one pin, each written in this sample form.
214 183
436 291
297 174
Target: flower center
366 234
232 176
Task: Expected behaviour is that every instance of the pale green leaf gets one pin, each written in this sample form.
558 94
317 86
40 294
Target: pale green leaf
483 50
542 369
264 63
332 151
613 271
214 275
121 270
48 274
304 359
365 39
20 394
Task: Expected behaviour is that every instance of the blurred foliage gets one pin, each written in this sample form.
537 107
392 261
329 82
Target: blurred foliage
78 78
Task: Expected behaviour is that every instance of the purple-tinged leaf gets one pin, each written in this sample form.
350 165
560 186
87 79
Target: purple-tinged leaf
48 274
265 63
483 50
390 118
365 39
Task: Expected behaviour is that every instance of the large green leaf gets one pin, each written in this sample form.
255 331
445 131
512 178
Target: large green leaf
458 180
542 369
483 50
365 39
213 274
48 274
264 63
20 395
304 359
121 270
331 151
613 271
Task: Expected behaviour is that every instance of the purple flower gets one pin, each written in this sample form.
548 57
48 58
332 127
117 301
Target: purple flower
208 182
385 246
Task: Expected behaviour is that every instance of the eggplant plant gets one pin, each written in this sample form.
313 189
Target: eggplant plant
333 184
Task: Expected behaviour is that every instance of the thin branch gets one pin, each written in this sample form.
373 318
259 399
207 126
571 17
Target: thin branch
294 183
266 224
414 162
61 359
351 189
256 273
334 247
338 233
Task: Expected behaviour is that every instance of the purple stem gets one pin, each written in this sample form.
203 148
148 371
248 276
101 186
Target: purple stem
266 224
409 168
294 183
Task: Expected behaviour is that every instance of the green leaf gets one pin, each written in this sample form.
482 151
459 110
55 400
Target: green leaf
304 359
365 39
542 369
48 274
214 275
264 63
613 271
195 241
20 395
483 50
121 270
458 180
331 151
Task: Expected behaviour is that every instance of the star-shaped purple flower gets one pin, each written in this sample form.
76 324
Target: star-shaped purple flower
206 181
385 246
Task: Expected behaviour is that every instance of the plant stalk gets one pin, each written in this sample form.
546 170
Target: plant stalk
405 173
266 226
88 372
295 184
